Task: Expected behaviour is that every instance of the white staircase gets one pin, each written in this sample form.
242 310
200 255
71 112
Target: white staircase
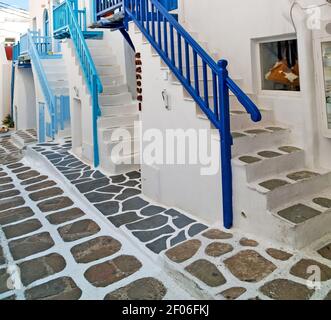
118 111
276 196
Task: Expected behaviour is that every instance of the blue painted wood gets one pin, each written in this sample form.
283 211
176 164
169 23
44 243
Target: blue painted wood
219 115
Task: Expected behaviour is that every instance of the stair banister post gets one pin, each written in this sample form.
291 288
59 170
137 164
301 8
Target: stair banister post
226 143
95 115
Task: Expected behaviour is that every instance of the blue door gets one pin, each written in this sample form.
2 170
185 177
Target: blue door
42 125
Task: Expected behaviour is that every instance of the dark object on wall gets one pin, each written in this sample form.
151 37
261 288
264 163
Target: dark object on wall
8 121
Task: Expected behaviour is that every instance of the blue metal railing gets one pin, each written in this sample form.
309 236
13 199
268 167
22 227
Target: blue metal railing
47 92
16 51
207 81
105 6
70 16
24 44
43 44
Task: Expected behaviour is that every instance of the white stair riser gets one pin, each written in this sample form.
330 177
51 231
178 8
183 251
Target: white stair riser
57 76
109 70
111 122
243 121
114 169
258 142
125 147
99 51
105 60
118 110
115 89
107 134
295 192
273 166
112 80
115 100
58 84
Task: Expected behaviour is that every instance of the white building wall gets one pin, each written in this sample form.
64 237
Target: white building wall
5 84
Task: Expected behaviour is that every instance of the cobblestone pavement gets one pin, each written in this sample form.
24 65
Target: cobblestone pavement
118 198
9 153
69 232
51 247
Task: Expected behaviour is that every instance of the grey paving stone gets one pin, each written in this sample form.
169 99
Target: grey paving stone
298 213
275 128
45 194
158 245
95 249
178 219
92 185
233 293
111 189
55 204
153 222
78 230
323 202
15 165
196 229
217 249
278 254
147 236
134 204
289 149
302 175
151 210
325 252
9 193
22 228
248 242
180 237
256 131
142 289
206 272
59 289
130 183
124 218
11 203
95 197
5 187
216 234
14 215
269 154
184 251
41 185
2 257
30 245
283 289
41 268
133 175
33 180
128 193
118 179
5 180
28 175
301 269
104 274
21 169
4 276
249 159
249 266
108 208
273 184
65 216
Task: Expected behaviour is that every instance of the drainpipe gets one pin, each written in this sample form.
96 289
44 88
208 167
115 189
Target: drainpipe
307 84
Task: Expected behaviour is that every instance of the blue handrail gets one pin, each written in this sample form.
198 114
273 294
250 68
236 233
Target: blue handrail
105 6
66 14
47 92
16 51
194 68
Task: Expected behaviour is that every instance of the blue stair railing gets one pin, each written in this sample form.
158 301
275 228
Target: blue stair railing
103 7
36 62
192 65
66 13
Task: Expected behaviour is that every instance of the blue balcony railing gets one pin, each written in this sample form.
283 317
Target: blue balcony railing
16 51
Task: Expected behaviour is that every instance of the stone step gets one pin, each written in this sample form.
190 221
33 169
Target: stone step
118 110
59 76
99 51
109 70
107 133
258 138
125 147
263 163
115 99
121 164
289 187
58 84
105 60
116 89
118 120
112 80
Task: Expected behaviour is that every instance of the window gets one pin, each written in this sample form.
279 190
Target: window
280 66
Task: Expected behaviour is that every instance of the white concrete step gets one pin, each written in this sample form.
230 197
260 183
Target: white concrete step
94 43
105 60
257 138
121 164
292 190
273 161
118 120
52 62
99 51
61 91
109 70
115 99
112 80
116 89
118 110
58 83
125 147
60 76
107 134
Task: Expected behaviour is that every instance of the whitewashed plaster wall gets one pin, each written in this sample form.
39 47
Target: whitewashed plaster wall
5 84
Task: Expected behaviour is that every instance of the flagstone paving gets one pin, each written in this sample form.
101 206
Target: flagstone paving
56 244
